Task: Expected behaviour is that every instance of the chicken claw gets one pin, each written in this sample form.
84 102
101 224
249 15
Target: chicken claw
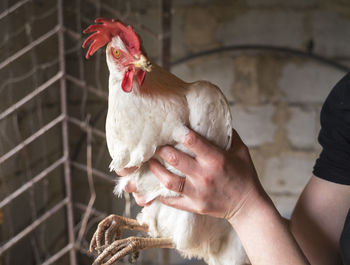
110 229
120 248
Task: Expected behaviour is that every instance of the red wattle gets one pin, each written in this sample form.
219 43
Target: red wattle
127 80
141 76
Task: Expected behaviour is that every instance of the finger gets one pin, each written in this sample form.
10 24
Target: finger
201 147
180 203
126 171
130 187
140 200
169 180
181 161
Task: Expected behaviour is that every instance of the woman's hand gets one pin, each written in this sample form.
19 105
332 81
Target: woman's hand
217 182
131 187
225 184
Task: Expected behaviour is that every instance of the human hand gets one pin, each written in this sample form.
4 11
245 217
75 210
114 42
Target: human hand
225 184
131 186
217 182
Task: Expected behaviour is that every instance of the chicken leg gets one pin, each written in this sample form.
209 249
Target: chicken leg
110 229
120 248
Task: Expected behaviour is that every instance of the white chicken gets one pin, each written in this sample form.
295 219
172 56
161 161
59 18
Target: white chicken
149 107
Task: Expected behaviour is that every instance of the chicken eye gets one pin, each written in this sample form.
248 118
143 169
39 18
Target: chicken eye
116 53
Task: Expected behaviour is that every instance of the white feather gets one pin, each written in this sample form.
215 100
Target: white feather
157 114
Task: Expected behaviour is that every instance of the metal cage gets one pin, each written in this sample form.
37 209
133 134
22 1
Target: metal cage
53 157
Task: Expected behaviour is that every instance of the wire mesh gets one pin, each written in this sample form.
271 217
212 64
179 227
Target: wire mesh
54 183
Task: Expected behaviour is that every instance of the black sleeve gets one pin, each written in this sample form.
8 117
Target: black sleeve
333 163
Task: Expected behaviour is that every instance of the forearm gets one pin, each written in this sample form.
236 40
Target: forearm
318 220
264 233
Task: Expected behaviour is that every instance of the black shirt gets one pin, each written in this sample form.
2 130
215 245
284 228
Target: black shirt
334 161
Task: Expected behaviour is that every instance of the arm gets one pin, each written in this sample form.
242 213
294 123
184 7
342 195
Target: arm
225 184
318 220
319 215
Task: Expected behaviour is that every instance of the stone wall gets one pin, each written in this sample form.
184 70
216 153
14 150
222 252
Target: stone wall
275 96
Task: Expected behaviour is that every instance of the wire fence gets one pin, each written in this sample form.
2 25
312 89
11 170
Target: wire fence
54 183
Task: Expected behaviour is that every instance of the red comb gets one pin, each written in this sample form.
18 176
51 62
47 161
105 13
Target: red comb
105 31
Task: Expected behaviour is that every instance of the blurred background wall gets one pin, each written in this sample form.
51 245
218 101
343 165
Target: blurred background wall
275 60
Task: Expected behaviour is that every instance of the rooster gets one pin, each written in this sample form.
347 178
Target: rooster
149 107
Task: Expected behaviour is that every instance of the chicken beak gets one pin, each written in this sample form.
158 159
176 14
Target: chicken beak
143 63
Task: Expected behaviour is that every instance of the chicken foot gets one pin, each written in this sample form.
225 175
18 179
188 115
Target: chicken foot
110 229
120 248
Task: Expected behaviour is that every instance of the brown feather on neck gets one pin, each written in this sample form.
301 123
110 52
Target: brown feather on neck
161 82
